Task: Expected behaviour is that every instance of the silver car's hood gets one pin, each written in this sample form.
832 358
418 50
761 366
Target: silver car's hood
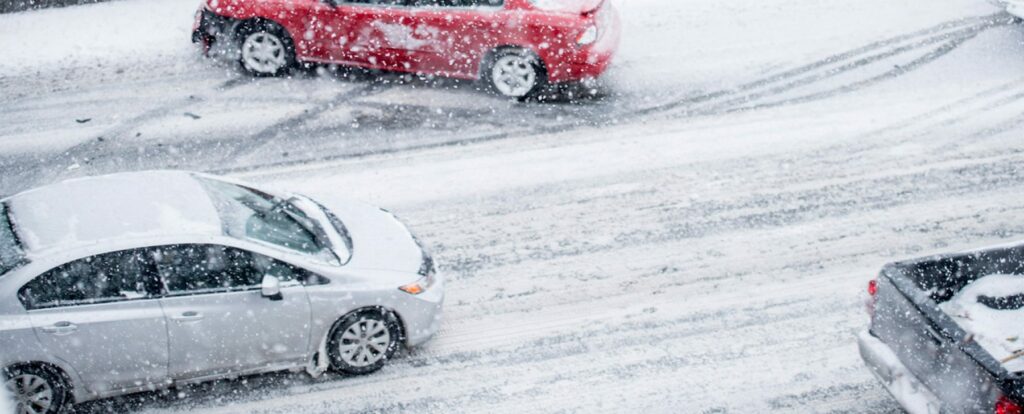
379 240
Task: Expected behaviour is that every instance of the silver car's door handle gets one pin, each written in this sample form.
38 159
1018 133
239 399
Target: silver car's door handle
188 316
60 328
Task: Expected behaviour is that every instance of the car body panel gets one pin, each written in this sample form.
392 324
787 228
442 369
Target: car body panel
134 335
253 331
445 41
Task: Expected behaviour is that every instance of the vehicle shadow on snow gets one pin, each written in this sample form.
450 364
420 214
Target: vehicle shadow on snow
214 393
574 93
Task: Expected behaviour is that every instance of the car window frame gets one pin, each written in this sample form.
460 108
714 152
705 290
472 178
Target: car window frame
12 227
166 291
151 273
301 275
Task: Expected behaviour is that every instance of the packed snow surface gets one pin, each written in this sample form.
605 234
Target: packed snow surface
696 238
998 331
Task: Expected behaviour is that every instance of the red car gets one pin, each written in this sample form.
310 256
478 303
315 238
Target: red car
515 46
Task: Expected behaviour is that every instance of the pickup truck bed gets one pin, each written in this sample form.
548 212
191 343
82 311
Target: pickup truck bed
920 350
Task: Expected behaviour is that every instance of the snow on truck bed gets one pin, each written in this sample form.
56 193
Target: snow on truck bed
998 331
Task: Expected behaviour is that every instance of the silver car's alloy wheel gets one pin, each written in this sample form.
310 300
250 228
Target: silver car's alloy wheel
32 394
364 343
514 75
264 52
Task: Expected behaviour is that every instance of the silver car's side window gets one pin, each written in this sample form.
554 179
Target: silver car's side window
204 268
111 277
270 267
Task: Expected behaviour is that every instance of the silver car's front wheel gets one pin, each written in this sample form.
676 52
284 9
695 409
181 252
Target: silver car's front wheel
35 390
362 342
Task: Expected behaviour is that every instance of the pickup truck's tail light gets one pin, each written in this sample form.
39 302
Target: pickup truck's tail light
872 297
1004 405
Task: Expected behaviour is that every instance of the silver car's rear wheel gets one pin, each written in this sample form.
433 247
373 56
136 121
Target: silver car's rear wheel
35 389
363 341
32 394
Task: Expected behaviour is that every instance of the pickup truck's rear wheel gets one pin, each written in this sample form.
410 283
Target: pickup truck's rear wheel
266 49
363 341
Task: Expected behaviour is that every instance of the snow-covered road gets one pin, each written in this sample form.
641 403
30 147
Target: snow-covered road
697 238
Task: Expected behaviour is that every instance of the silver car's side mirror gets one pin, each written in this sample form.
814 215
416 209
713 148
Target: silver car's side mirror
271 288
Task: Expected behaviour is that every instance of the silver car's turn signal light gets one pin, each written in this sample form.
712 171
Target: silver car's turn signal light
419 286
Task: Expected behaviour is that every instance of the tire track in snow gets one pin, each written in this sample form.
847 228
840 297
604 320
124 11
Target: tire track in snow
578 345
256 141
951 34
793 80
51 168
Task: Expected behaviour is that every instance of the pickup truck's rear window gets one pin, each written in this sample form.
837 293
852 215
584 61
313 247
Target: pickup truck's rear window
11 255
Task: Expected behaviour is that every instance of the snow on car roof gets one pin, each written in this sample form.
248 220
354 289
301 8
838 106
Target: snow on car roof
110 207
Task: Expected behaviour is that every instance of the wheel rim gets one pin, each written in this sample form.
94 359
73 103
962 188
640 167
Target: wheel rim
32 394
263 52
514 75
364 343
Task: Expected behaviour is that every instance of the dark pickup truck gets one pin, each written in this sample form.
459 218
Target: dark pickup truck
938 349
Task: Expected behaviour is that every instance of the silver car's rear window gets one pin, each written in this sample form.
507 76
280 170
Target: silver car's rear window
11 255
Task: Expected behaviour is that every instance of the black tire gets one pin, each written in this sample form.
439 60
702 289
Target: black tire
60 395
343 349
524 59
275 64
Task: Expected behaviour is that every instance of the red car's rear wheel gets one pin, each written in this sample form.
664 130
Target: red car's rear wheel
266 49
515 73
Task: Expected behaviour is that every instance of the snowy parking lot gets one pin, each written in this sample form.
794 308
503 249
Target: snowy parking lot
692 233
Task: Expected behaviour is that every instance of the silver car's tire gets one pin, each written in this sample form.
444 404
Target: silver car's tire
265 49
36 389
362 342
514 73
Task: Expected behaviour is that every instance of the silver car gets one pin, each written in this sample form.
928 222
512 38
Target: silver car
138 281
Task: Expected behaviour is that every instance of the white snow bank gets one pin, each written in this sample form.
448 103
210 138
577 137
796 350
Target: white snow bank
98 33
1000 332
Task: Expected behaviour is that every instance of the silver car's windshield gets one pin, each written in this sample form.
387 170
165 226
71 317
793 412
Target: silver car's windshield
254 215
11 255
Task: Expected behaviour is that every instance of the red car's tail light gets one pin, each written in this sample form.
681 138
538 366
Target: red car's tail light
1005 405
588 36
